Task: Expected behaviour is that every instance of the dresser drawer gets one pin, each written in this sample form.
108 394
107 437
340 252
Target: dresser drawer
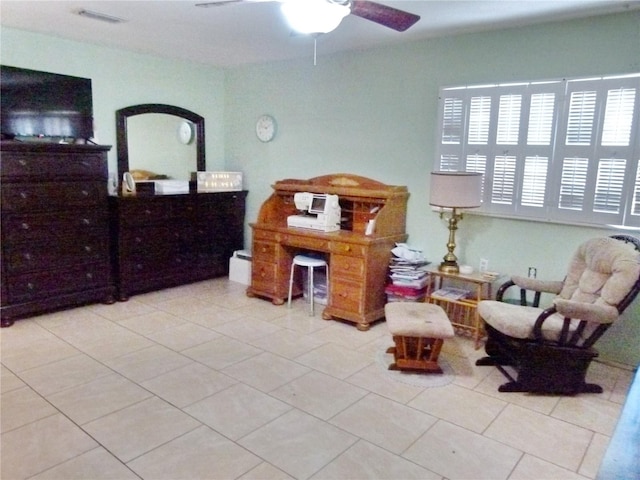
76 250
142 213
154 265
150 238
33 286
21 228
45 165
345 266
228 205
53 196
346 295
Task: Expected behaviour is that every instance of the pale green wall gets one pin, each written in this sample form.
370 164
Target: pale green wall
371 113
120 79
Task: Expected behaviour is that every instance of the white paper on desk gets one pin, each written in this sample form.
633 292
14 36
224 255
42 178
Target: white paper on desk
405 252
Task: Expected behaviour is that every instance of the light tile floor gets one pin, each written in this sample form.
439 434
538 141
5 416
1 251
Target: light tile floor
202 382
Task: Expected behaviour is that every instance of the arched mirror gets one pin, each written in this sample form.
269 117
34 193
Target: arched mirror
165 140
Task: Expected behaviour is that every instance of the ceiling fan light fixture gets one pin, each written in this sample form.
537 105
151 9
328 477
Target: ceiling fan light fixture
314 16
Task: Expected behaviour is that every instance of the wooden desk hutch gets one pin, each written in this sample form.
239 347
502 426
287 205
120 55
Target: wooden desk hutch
358 262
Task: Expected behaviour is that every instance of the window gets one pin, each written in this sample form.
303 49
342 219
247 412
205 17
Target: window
562 150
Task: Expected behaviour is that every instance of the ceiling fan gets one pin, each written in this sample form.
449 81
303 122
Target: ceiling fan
390 17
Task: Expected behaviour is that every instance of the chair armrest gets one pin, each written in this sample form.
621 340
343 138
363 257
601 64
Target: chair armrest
546 286
586 311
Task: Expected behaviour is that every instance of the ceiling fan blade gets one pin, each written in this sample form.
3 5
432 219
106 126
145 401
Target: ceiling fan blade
221 3
388 16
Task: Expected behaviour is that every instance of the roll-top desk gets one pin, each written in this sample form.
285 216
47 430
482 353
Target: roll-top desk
358 262
55 231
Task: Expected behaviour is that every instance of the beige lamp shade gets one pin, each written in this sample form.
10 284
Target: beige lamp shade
456 189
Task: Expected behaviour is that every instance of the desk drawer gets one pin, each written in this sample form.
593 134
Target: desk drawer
263 276
264 235
264 251
346 295
345 266
309 243
348 249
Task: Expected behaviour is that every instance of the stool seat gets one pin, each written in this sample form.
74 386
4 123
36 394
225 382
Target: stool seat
310 263
418 331
306 261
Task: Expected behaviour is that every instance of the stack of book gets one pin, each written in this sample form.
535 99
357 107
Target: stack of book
408 280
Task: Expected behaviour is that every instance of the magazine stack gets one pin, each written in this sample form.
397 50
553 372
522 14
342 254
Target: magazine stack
408 278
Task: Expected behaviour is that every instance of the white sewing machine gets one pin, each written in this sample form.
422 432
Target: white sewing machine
322 212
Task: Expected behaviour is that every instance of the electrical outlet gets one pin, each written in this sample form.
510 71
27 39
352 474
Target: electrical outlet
484 265
533 272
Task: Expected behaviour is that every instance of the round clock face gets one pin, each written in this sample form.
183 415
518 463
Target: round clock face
185 132
266 128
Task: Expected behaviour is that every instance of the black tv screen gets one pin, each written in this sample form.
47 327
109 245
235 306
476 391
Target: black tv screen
43 104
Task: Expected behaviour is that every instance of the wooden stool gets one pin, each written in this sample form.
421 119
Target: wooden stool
418 331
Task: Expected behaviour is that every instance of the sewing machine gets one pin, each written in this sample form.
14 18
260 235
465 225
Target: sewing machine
321 212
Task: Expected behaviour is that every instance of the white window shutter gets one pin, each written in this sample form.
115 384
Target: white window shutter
562 150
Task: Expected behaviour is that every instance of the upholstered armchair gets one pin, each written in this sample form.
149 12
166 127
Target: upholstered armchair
550 349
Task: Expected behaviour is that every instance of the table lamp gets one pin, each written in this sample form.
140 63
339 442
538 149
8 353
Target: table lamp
454 190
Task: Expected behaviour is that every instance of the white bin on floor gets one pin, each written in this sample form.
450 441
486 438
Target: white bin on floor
240 267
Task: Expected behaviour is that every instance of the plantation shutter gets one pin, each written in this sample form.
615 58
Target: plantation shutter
598 167
562 150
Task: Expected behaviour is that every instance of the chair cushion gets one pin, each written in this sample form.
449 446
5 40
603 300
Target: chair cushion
517 321
602 271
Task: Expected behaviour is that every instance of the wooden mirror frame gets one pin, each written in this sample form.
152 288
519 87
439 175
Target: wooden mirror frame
122 138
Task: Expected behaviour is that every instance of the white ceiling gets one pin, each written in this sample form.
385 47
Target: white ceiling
245 33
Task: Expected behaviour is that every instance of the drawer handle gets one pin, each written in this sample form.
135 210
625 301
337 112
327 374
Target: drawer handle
27 256
25 226
89 276
85 193
139 266
138 240
86 221
22 162
30 286
24 195
147 212
347 248
264 249
87 248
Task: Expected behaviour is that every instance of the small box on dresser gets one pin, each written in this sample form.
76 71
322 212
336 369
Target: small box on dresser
55 230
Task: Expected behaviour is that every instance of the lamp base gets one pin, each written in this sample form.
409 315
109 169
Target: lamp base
449 267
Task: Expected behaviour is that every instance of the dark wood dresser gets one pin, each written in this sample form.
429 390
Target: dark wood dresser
55 239
160 241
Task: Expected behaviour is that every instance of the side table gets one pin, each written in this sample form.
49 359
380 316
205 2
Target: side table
461 310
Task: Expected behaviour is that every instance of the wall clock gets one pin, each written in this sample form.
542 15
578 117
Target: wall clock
186 132
266 128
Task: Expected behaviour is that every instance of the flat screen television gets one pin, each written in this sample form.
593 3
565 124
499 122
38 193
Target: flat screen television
37 104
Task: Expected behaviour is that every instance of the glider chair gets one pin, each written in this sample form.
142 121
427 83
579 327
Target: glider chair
550 349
